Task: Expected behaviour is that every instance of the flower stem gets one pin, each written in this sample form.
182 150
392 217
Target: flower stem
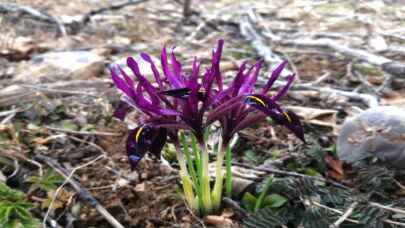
228 180
205 180
219 178
186 180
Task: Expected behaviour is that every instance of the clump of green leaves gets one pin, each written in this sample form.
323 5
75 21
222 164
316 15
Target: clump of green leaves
254 204
308 201
15 210
48 182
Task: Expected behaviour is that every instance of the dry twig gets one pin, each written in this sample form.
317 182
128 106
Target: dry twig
344 216
11 7
388 221
99 133
84 194
293 174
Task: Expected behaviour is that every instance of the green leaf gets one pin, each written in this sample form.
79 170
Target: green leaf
5 214
68 125
50 181
14 210
249 201
23 213
31 223
260 200
275 200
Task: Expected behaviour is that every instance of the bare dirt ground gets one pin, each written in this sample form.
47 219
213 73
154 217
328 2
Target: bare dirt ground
57 97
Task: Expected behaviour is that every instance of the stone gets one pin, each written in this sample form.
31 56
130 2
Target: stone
377 132
54 66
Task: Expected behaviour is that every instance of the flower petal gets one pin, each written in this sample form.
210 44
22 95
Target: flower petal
155 71
122 110
120 83
274 75
158 142
248 86
216 58
284 90
286 118
144 82
173 80
135 149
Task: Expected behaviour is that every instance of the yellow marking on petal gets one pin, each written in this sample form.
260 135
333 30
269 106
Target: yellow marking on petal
138 134
260 101
287 116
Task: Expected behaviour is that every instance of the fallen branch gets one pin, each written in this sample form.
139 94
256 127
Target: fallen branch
235 206
21 93
11 7
115 6
293 174
83 193
344 217
250 32
392 67
369 100
82 132
387 208
248 29
388 221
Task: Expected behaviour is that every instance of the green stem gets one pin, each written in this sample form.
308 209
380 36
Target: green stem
186 181
219 178
205 180
228 180
263 194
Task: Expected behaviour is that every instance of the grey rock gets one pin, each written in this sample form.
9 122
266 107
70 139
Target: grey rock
53 66
377 132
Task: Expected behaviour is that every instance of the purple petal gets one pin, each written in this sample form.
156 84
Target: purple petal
284 90
158 142
155 71
144 105
216 61
121 84
122 110
274 75
239 79
144 82
135 151
246 122
173 80
272 109
248 86
224 107
176 65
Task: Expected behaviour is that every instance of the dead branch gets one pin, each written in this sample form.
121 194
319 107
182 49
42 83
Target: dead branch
82 132
292 174
83 193
390 66
235 206
369 100
346 215
249 30
21 93
186 9
115 6
388 221
11 7
251 33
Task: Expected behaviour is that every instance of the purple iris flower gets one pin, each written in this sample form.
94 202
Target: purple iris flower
240 106
173 101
